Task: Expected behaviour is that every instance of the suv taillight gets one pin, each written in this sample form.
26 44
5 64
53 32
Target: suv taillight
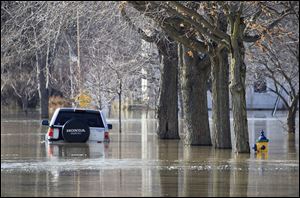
50 132
106 136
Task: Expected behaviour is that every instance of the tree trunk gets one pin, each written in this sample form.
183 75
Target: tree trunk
120 106
42 89
291 118
291 121
221 137
180 66
25 104
41 67
237 89
44 99
72 95
168 101
167 112
194 87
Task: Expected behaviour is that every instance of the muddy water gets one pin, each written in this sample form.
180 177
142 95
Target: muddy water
136 163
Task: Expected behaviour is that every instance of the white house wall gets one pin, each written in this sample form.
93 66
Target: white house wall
254 100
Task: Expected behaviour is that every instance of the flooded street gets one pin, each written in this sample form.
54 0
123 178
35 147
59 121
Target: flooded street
137 163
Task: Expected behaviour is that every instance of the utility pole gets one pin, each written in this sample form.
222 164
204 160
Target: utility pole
120 102
78 54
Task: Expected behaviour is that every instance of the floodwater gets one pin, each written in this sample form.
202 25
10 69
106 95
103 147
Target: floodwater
137 163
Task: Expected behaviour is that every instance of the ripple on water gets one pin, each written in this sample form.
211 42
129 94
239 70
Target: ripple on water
98 164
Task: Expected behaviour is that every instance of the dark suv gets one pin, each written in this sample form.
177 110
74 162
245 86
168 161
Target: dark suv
77 125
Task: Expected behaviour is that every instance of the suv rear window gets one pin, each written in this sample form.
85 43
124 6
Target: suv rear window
92 119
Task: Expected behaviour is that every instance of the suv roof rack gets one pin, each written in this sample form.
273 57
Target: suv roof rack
74 109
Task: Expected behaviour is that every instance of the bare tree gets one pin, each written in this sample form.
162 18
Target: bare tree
24 87
196 70
168 103
276 57
32 29
241 17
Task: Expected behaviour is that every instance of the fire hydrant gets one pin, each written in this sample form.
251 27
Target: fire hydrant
261 145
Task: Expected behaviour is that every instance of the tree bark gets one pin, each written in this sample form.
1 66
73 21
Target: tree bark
167 113
194 87
71 77
42 88
237 89
25 104
291 118
221 137
41 67
44 98
168 101
180 66
120 106
291 121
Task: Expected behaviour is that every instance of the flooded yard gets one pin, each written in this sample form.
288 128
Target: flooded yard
137 163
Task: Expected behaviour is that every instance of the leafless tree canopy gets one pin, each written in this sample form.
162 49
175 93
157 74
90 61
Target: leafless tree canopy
110 50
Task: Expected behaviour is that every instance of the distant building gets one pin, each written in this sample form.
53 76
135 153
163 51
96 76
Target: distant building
257 97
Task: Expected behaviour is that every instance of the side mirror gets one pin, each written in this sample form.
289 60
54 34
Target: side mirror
109 126
45 122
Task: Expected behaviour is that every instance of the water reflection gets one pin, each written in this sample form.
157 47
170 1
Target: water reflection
136 163
76 150
239 175
197 183
221 178
168 155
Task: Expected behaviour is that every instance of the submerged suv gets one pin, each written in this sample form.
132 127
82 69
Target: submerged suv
77 125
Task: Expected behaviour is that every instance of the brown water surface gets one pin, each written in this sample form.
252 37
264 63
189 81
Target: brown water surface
137 163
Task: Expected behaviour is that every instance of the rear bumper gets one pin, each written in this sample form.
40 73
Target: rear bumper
60 141
53 141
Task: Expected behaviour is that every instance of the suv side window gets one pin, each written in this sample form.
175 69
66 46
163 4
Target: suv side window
92 119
